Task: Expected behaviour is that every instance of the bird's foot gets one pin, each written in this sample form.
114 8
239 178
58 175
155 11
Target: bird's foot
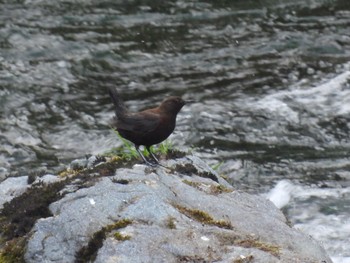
151 163
155 164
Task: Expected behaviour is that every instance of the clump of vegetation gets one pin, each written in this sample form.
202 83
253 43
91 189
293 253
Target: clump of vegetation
203 217
170 222
13 251
19 215
121 237
128 151
250 242
219 189
242 259
187 169
69 172
118 225
164 147
88 253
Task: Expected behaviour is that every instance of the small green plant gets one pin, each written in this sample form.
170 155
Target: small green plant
170 222
128 150
165 147
216 166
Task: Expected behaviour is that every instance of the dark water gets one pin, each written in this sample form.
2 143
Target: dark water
271 80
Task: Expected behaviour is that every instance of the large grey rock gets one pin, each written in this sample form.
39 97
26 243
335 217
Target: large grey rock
162 207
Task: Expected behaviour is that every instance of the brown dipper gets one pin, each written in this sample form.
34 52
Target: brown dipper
147 127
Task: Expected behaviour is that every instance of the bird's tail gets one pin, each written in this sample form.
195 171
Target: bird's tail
120 108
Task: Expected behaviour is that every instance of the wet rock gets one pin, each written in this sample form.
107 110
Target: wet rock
186 214
12 187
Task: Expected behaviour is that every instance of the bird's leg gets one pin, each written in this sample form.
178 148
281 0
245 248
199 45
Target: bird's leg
143 157
152 155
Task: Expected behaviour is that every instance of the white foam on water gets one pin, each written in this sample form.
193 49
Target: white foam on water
340 259
330 98
332 231
330 228
281 194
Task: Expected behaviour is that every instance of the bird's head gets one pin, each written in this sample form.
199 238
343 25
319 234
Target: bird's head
172 105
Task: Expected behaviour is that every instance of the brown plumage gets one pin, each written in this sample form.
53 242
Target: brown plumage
146 127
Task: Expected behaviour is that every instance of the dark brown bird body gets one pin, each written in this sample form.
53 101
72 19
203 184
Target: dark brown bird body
147 127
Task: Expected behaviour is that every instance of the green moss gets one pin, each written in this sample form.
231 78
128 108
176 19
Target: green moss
247 259
69 172
121 237
88 253
219 189
170 222
19 215
13 251
187 169
203 217
118 225
248 243
191 183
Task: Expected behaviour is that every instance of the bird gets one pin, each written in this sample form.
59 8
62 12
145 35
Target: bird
147 127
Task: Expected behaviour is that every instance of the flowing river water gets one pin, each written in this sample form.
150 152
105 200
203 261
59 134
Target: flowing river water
271 80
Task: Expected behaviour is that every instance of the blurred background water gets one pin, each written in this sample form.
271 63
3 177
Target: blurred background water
271 79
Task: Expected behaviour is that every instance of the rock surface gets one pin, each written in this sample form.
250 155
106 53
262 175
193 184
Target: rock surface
183 214
12 187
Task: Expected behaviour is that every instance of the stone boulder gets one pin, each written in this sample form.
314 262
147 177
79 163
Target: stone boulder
182 213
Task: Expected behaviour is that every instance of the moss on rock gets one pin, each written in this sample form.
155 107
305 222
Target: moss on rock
203 217
88 253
